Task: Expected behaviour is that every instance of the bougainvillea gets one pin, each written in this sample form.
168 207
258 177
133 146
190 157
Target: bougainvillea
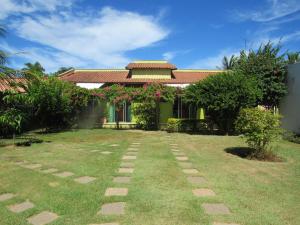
148 94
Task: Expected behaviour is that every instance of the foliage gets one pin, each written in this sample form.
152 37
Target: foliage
291 136
145 115
149 95
223 95
188 125
269 68
293 57
229 63
260 128
61 70
34 69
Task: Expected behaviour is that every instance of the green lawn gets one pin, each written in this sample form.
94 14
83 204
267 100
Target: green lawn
257 193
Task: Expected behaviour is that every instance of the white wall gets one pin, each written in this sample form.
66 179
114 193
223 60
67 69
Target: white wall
178 85
89 85
290 105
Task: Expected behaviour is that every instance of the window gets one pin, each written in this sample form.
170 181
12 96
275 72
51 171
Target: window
183 110
123 115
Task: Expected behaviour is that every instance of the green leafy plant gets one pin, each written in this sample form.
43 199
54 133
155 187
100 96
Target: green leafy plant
269 68
259 128
223 95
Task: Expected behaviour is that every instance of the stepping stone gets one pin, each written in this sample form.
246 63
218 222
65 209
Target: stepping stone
132 149
42 218
131 153
20 207
51 170
197 180
127 164
105 224
175 150
124 180
116 208
179 153
126 170
53 184
182 158
215 208
20 162
116 192
135 143
64 174
173 144
95 151
32 166
203 192
186 165
217 223
6 196
84 180
114 145
129 157
106 152
190 171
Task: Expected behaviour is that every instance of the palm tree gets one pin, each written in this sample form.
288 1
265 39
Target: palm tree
34 68
293 57
229 63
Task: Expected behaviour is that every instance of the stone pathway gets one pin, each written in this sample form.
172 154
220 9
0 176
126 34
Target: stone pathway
126 168
6 196
42 218
196 180
55 172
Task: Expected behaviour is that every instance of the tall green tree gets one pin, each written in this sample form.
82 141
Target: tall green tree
229 63
293 57
34 68
223 95
269 67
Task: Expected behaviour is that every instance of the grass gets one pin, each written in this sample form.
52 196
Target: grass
256 192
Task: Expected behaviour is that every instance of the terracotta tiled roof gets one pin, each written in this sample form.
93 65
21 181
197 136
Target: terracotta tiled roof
150 66
5 84
122 76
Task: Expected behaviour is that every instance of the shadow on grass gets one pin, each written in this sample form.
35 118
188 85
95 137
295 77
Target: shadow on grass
249 153
243 152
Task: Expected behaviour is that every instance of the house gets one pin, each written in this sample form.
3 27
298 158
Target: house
137 74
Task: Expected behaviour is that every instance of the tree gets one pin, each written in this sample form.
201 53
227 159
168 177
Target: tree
293 57
223 95
35 68
260 128
269 68
229 63
62 70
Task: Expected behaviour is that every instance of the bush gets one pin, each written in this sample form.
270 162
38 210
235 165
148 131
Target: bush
145 115
291 136
223 95
187 125
259 128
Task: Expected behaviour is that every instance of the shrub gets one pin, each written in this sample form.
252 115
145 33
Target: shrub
187 125
145 115
174 125
223 95
291 136
259 128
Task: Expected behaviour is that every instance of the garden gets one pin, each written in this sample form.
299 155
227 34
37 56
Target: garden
235 166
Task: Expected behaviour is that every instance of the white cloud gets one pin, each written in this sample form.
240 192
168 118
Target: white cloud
274 9
169 55
15 7
98 39
213 62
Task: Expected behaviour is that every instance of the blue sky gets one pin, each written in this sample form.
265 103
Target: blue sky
111 33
